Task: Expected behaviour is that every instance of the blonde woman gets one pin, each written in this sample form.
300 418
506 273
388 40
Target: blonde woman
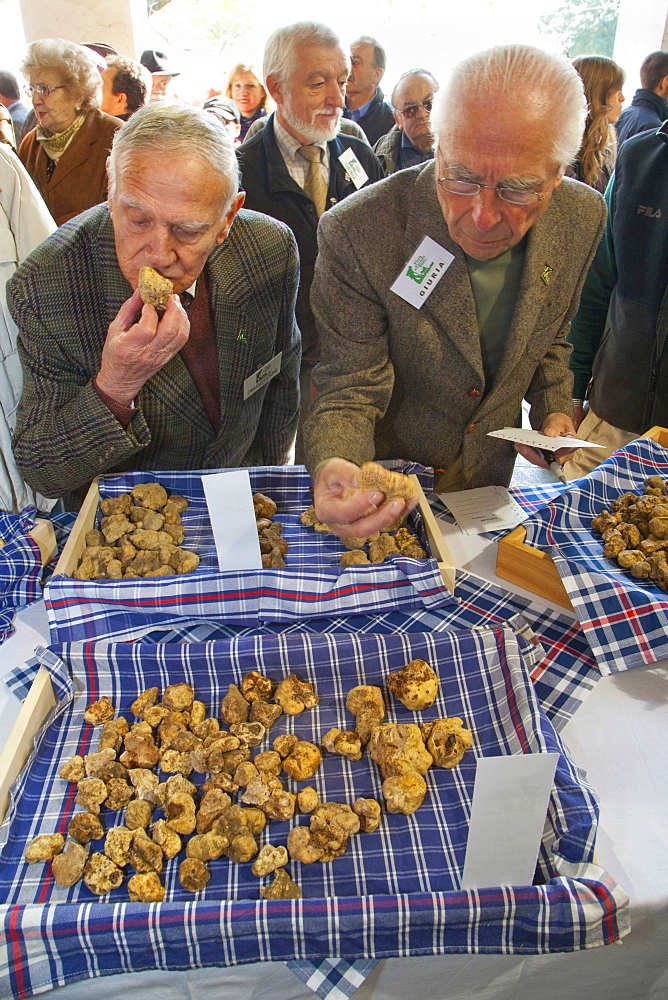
247 92
603 80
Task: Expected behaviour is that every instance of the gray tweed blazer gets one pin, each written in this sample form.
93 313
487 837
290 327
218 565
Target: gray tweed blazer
63 298
401 382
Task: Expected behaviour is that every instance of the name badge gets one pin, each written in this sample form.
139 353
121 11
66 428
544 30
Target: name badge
262 376
354 168
422 272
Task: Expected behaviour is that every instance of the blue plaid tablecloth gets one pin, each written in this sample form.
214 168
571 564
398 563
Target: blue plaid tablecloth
394 893
21 568
313 586
625 620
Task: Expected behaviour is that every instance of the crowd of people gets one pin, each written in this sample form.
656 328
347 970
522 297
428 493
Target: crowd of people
354 278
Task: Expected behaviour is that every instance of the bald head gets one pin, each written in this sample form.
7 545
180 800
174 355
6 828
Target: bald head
411 99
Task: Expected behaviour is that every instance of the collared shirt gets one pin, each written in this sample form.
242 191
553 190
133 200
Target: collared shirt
410 155
298 165
359 112
18 112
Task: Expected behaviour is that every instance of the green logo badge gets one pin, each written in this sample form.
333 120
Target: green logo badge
242 337
418 270
547 271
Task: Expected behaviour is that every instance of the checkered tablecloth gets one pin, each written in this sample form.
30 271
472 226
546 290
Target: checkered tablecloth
625 620
21 566
313 586
563 673
394 893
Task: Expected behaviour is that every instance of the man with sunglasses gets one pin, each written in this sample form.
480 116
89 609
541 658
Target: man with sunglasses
410 142
443 295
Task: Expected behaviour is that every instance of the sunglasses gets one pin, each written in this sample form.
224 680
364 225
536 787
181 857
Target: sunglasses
411 110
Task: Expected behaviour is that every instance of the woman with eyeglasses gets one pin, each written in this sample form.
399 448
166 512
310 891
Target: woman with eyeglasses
603 80
66 153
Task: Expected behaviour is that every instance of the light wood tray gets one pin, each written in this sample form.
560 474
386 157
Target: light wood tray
535 570
34 711
75 544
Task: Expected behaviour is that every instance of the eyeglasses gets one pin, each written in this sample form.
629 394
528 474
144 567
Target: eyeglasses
469 189
411 110
42 89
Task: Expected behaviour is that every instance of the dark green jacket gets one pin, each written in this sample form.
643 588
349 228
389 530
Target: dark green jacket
619 334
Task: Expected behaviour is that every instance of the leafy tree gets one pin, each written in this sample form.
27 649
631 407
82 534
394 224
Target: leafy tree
583 26
208 25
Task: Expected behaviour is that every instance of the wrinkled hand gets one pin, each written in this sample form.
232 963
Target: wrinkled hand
133 352
554 425
358 514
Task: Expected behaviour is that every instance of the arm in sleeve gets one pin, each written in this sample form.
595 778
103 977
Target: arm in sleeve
551 390
65 434
355 376
589 323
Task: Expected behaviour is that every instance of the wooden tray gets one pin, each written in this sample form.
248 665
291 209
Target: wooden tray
85 521
535 570
34 712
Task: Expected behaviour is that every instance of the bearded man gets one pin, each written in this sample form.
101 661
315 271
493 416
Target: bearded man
299 165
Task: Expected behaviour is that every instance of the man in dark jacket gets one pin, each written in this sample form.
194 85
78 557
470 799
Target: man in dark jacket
299 165
619 335
648 108
365 101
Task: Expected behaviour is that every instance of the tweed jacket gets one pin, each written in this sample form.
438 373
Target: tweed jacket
63 298
270 189
401 382
79 179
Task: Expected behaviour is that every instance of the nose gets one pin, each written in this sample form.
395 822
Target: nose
335 95
160 251
486 209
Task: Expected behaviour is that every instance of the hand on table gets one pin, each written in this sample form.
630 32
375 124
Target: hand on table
554 425
348 510
133 352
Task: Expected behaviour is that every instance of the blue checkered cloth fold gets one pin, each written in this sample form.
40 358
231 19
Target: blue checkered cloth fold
393 893
21 563
625 620
313 586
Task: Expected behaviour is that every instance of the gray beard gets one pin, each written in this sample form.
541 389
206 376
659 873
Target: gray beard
310 131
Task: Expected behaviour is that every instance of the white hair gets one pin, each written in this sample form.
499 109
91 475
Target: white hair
543 85
279 52
163 128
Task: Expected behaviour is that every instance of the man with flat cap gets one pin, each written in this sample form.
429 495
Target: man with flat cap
162 74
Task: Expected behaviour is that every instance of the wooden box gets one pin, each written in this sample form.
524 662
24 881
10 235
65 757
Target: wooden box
85 521
535 570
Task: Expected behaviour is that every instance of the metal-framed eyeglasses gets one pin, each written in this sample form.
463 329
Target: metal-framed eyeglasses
469 189
411 110
42 89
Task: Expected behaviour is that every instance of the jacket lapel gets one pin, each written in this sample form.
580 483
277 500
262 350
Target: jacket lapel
74 156
450 307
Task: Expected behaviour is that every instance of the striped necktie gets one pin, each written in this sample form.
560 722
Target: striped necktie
315 187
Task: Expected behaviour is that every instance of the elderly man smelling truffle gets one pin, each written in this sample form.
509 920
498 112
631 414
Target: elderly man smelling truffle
111 385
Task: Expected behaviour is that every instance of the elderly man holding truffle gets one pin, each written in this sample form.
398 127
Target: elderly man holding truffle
111 384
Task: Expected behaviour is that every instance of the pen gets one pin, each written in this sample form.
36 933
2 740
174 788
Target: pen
555 468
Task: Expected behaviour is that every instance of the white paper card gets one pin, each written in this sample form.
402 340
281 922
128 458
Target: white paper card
230 501
422 272
489 508
352 165
262 375
510 799
524 435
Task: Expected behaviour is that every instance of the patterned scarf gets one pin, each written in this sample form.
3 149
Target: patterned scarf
55 145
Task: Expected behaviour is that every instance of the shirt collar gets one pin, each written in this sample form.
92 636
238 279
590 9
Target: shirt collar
360 112
288 145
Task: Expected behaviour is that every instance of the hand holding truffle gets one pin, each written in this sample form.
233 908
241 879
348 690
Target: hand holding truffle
357 502
135 350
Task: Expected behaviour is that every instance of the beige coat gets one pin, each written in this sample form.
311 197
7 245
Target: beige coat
398 382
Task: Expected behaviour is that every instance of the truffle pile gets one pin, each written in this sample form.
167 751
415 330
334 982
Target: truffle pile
635 532
175 736
270 533
140 535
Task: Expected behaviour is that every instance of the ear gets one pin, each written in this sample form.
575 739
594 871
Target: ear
275 89
378 75
399 119
110 187
237 203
